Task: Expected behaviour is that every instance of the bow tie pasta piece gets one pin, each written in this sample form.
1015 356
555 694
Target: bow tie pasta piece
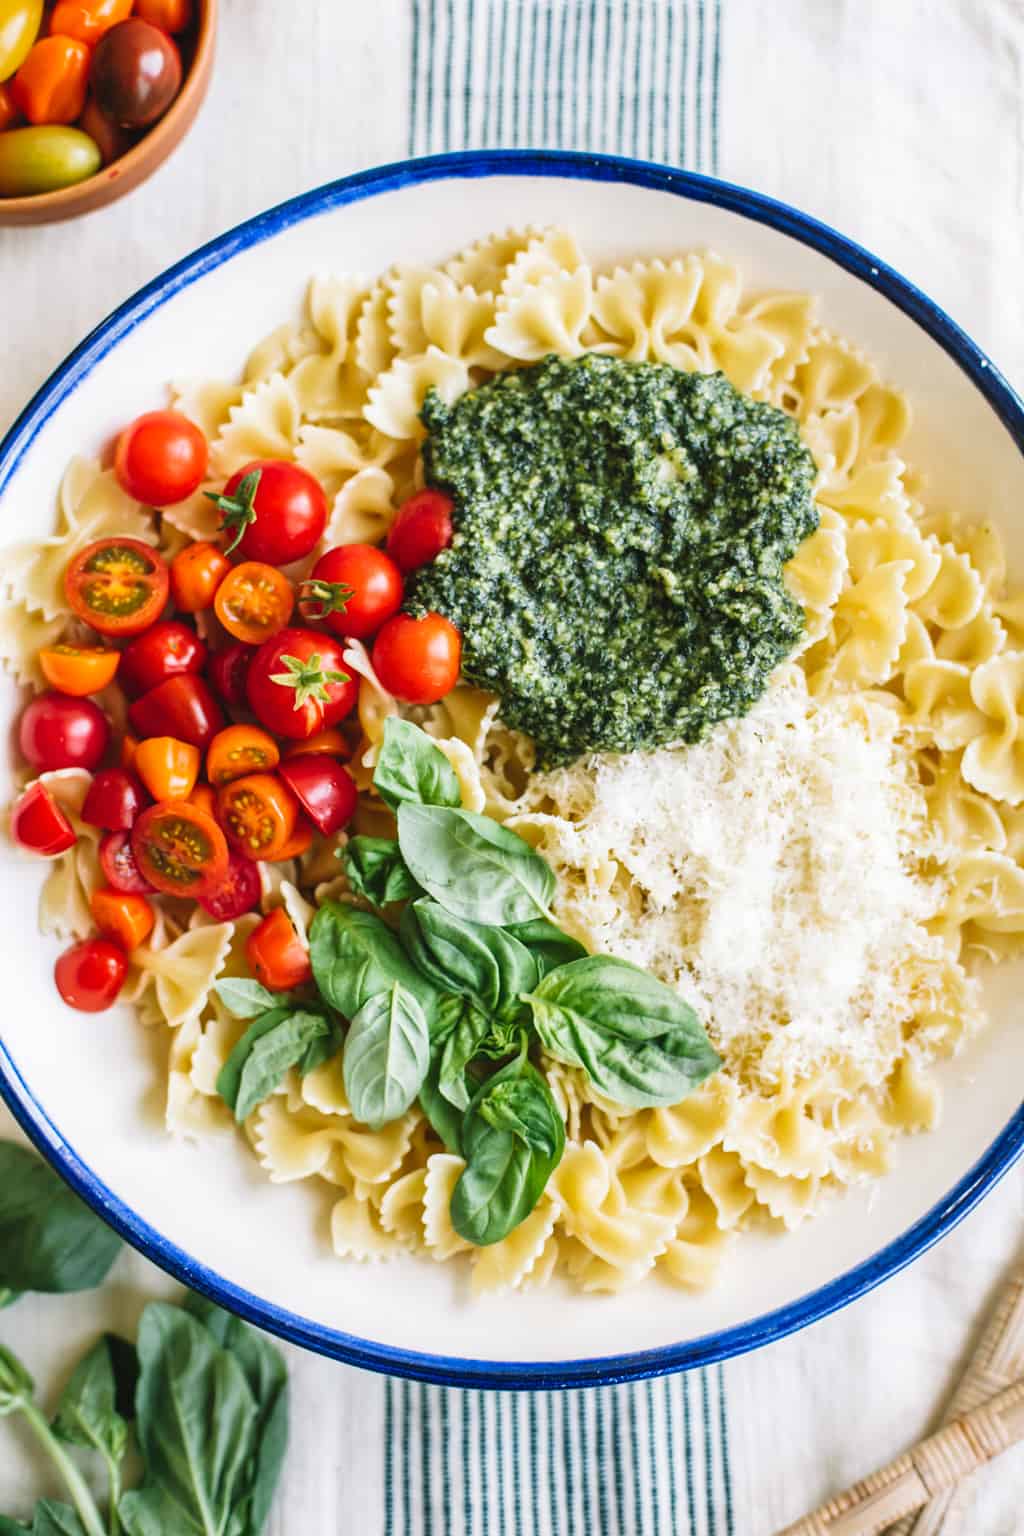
484 265
357 1231
974 642
444 1170
938 694
503 1266
963 817
955 595
548 253
264 425
23 635
184 972
994 761
327 382
549 316
396 399
875 492
624 1240
723 1178
429 310
869 545
694 1254
833 375
678 1136
644 312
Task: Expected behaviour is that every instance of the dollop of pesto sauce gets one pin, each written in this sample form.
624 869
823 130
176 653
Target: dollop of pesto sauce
620 533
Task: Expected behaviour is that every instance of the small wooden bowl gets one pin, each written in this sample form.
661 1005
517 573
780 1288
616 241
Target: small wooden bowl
121 175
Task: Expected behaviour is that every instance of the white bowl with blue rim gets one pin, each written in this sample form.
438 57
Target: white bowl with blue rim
83 1087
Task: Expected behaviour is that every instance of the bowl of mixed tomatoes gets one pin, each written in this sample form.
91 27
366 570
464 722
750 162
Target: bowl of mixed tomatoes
94 95
237 699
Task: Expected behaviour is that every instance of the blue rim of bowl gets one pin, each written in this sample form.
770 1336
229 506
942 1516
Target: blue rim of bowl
440 1369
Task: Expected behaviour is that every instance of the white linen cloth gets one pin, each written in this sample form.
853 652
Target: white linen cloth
901 124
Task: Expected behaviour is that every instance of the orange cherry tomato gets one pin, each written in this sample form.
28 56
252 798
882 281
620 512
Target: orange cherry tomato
119 586
330 741
258 813
168 767
78 670
9 113
179 849
126 756
205 798
298 843
196 573
254 601
171 15
276 955
238 750
87 20
128 919
50 86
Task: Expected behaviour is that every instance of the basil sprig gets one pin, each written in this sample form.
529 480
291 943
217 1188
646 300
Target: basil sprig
412 770
376 871
283 1034
387 1054
473 866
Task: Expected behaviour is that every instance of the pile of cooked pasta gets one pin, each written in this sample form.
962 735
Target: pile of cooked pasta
914 648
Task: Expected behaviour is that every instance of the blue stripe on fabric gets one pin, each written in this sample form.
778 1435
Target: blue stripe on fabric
691 1496
723 1440
684 84
406 1505
482 1448
652 1456
716 86
467 1485
699 156
447 1461
709 1468
389 1456
426 1461
670 27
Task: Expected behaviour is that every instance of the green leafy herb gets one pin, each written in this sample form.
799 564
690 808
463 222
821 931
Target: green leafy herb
445 1119
387 1054
275 1041
8 1297
411 768
549 946
49 1240
639 1042
90 1412
375 870
462 1044
246 998
484 963
475 868
355 956
512 1140
53 1519
17 1395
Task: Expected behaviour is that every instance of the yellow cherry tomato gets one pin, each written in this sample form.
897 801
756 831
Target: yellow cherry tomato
20 21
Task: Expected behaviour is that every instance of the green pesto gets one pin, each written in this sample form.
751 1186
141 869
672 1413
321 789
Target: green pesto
620 533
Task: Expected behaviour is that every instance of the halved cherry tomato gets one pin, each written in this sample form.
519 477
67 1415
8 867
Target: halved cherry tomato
277 956
353 590
9 113
238 750
238 892
196 573
128 919
117 861
171 15
119 586
39 823
114 799
78 670
298 685
165 650
228 669
324 789
258 813
418 659
299 843
90 974
126 756
50 86
421 529
59 732
87 20
273 511
168 767
179 849
254 601
160 458
183 705
331 741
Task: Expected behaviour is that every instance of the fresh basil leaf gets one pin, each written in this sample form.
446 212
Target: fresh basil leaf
321 1049
411 768
387 1054
9 1527
87 1413
477 961
52 1519
512 1139
355 956
636 1038
461 1046
375 870
49 1239
266 1054
16 1385
549 946
445 1119
229 1078
245 998
474 867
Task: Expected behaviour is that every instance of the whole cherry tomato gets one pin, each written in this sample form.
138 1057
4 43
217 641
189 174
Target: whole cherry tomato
167 649
161 457
117 861
119 586
273 512
39 823
277 956
168 767
228 669
325 790
51 84
87 20
171 15
238 750
206 799
90 974
196 573
126 918
78 670
59 732
258 813
179 848
20 21
238 892
297 683
136 73
353 590
44 159
418 660
421 529
114 799
254 601
110 138
183 706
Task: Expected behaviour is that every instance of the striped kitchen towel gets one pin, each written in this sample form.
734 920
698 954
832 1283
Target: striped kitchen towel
637 77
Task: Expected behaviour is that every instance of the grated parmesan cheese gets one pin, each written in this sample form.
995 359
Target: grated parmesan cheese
778 873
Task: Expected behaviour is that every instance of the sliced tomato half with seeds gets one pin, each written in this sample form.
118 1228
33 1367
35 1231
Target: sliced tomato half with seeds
119 586
179 848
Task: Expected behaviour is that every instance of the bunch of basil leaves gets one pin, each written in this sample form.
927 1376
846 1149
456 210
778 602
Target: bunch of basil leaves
206 1395
447 1008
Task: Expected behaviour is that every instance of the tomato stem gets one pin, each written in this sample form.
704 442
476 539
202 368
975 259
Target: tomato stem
308 678
238 510
319 598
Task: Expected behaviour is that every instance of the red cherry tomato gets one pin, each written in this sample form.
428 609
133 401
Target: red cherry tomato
238 892
325 790
277 956
90 975
228 670
418 659
273 512
119 586
161 457
183 707
115 798
61 732
37 822
179 848
421 529
298 684
353 590
164 651
117 860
